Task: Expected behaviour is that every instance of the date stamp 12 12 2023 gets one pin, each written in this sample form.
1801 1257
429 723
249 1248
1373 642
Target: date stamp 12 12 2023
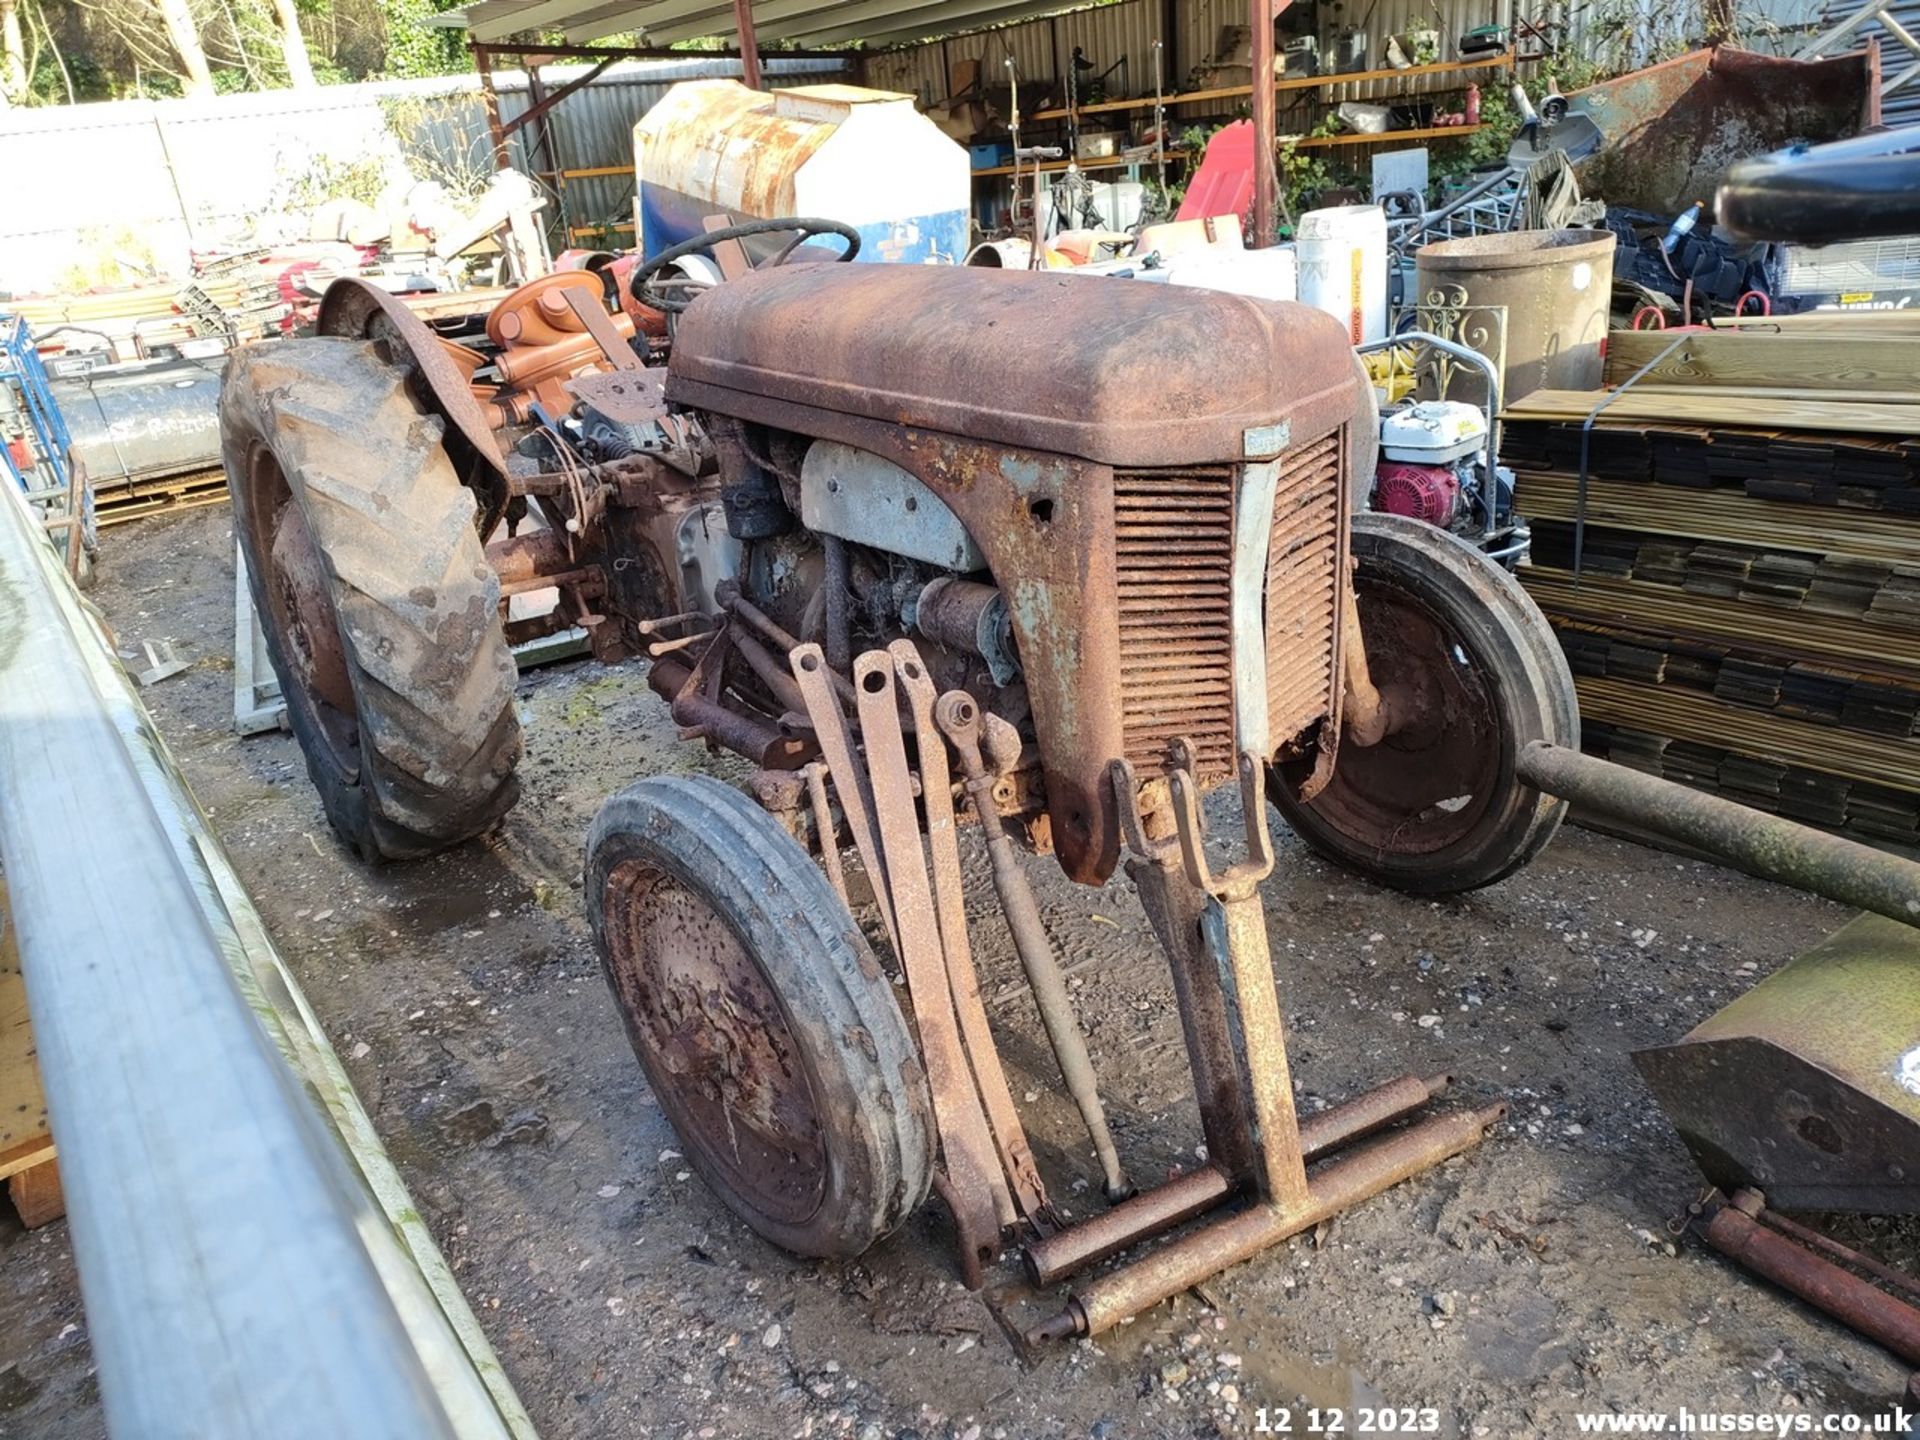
1334 1420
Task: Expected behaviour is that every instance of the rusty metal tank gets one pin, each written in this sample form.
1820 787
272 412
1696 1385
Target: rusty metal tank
1534 302
866 158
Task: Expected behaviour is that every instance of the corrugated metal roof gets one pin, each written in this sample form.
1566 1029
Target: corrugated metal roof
811 24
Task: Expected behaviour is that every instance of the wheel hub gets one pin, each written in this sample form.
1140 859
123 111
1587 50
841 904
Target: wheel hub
1425 785
300 590
696 1002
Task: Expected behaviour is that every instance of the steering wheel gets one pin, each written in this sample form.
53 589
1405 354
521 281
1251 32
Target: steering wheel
661 296
1864 188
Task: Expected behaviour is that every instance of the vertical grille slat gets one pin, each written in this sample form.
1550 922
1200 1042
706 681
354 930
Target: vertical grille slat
1174 562
1303 592
1176 654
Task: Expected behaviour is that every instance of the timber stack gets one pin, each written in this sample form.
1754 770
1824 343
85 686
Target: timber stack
1743 612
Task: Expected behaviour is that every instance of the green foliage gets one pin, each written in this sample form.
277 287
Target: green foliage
321 177
414 48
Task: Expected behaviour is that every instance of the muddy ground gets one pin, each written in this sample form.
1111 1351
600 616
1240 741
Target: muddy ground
1506 1291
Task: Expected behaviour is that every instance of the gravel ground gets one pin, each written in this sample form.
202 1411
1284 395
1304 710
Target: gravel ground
1506 1291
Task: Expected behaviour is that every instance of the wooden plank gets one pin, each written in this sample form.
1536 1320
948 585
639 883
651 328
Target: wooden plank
1704 407
1807 360
1730 515
1706 720
23 1105
1839 322
1708 619
36 1194
1105 162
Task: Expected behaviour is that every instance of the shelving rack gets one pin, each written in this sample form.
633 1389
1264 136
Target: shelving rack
1284 85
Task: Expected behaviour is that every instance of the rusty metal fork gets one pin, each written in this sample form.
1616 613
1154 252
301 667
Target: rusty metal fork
1025 1188
974 1188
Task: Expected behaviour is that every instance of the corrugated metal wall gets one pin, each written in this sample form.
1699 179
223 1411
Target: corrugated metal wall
185 174
1107 32
1622 35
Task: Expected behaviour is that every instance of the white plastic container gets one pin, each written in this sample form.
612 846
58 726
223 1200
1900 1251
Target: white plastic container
867 158
1343 267
1270 274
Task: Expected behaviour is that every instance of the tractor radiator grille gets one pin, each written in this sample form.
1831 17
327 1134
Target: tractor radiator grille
1303 592
1174 560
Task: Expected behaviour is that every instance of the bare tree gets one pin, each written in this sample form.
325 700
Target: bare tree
293 45
178 15
13 62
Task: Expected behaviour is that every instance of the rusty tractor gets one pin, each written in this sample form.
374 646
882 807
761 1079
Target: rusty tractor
922 543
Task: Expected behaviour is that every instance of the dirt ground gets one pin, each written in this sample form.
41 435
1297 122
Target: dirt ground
1507 1290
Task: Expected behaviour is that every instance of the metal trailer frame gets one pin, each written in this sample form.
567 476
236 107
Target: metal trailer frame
1874 12
23 373
249 1258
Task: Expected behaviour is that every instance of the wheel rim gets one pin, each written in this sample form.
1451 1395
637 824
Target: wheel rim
298 591
1430 785
715 1041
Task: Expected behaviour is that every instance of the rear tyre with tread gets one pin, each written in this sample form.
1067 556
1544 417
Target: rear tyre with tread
380 612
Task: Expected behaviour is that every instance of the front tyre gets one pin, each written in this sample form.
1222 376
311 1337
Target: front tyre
768 1033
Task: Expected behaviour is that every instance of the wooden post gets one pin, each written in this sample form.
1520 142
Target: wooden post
1265 178
483 62
749 44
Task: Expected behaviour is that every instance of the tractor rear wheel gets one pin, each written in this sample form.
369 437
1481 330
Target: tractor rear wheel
768 1033
380 611
1435 806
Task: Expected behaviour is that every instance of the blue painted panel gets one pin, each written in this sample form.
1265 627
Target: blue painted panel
668 217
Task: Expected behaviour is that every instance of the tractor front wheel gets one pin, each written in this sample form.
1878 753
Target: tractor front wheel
769 1034
1474 672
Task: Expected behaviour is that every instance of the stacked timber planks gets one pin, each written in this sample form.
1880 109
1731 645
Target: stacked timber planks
1746 614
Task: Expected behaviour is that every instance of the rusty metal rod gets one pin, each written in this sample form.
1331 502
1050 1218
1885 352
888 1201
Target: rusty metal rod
1855 1303
1207 1251
746 735
1845 1254
836 582
542 582
734 603
1154 1211
776 676
824 828
959 719
529 556
1761 844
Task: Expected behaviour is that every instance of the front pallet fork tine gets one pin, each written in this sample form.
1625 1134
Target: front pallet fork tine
959 720
1024 1194
1235 928
973 1180
811 674
1235 931
1174 906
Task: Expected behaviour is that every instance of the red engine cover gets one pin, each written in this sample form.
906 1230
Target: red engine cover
1420 492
